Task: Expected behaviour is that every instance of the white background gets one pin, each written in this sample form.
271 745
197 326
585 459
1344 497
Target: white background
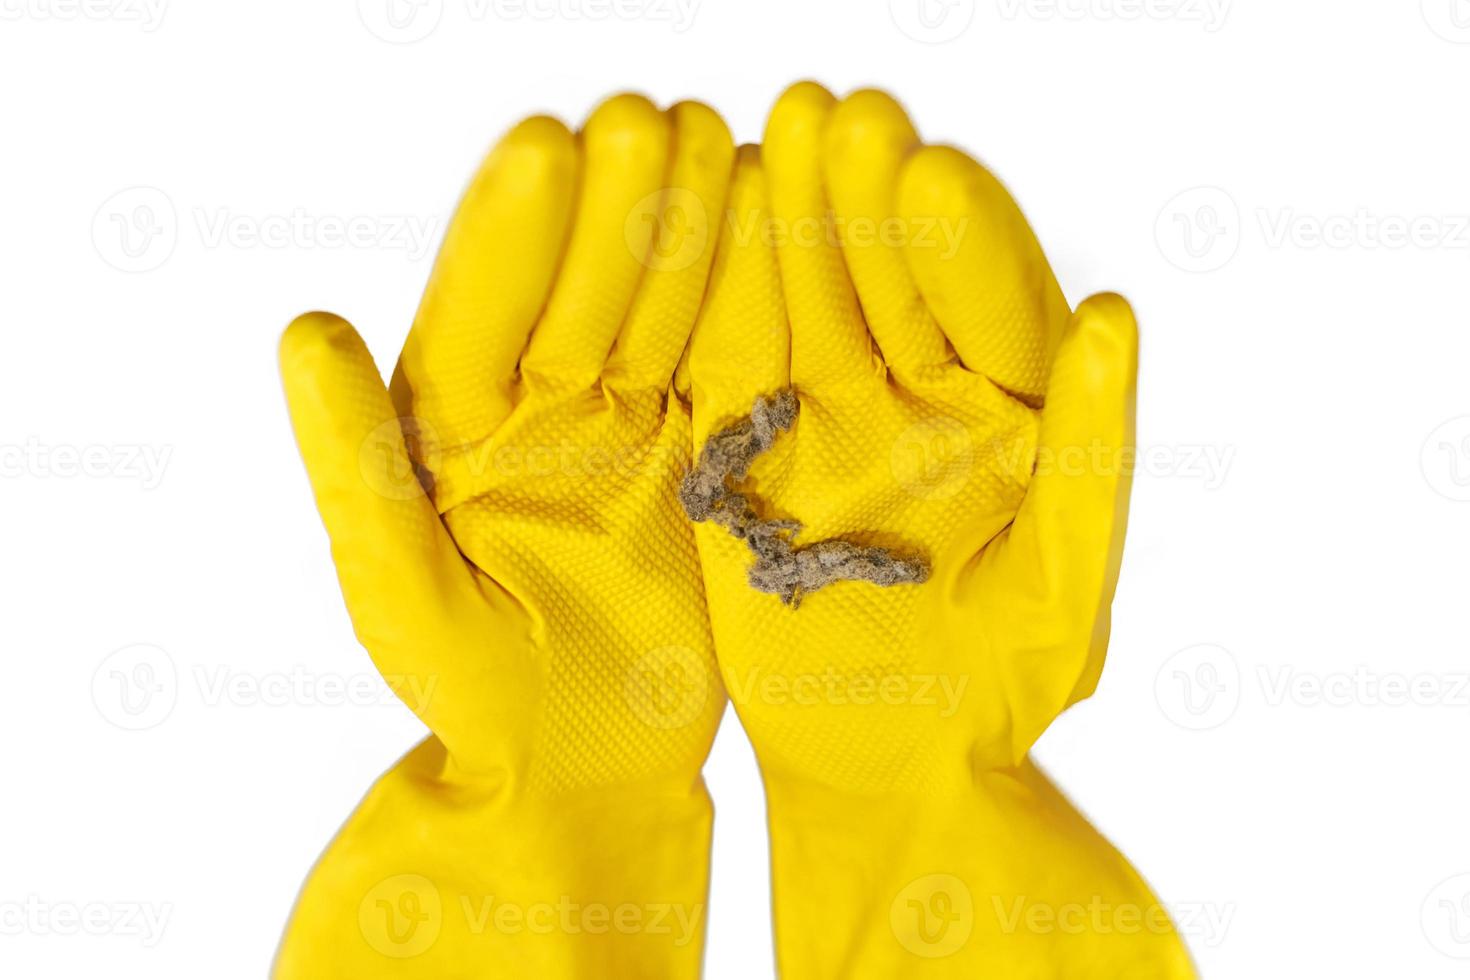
1296 554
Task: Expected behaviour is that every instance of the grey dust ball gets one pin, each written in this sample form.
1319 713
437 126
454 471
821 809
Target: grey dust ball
781 567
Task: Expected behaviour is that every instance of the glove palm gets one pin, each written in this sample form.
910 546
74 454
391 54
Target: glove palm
504 528
922 336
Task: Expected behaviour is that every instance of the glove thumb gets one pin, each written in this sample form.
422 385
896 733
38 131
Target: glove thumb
405 583
1061 556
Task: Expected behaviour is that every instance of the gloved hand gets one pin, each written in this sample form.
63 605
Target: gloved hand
544 588
936 364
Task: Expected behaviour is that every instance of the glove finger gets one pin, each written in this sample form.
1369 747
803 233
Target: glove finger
741 345
867 141
489 284
829 341
684 218
983 277
405 583
625 146
1057 566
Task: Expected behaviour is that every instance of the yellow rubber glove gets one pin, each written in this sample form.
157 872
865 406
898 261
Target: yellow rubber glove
545 591
911 836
